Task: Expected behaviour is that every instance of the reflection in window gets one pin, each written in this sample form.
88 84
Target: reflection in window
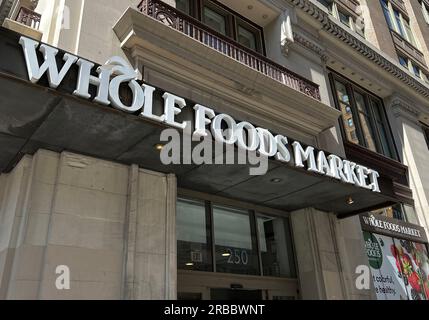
403 61
344 18
274 244
416 71
364 117
184 6
364 122
426 134
328 4
399 212
410 214
397 22
214 20
386 148
247 38
425 10
344 100
227 240
386 12
234 242
193 248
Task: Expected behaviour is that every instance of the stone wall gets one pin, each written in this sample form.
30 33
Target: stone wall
107 222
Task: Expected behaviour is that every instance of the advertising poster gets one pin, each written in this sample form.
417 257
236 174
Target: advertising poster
387 280
414 263
399 268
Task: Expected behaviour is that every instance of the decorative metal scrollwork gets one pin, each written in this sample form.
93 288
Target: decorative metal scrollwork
166 18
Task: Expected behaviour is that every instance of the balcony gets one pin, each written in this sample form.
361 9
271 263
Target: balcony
182 55
198 31
29 18
27 22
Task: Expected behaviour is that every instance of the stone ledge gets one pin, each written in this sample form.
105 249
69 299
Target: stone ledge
23 29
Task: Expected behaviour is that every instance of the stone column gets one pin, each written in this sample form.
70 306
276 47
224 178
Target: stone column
150 268
413 151
111 225
328 251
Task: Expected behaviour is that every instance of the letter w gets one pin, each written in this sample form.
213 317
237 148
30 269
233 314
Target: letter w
35 72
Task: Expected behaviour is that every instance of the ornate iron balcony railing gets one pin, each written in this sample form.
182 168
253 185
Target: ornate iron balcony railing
205 35
29 18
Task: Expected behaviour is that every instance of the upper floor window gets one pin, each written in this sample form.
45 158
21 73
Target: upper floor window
412 67
346 18
364 119
426 133
425 9
224 21
184 6
397 21
329 4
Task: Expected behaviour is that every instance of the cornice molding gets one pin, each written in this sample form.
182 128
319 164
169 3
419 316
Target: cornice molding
305 42
357 44
401 108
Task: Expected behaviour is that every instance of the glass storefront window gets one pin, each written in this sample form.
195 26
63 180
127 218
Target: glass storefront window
222 239
395 212
193 241
275 247
234 242
410 215
400 212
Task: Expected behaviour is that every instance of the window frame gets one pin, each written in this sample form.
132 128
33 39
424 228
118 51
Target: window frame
412 67
397 23
425 10
351 88
229 32
233 20
239 22
425 129
254 212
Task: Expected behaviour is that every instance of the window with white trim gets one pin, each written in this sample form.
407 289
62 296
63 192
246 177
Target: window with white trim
347 19
397 22
412 67
425 10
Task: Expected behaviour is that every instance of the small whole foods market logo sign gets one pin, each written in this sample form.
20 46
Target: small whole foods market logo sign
224 128
373 250
384 225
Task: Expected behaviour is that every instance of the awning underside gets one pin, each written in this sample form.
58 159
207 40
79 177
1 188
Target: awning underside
33 117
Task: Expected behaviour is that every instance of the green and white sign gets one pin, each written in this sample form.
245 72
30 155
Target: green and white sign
399 268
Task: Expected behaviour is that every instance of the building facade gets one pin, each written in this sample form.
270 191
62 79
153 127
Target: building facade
339 88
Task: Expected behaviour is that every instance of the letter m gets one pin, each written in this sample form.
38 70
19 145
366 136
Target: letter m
49 65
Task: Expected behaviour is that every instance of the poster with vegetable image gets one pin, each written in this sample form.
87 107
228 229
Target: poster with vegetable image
414 263
387 280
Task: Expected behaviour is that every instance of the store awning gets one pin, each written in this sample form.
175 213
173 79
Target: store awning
34 116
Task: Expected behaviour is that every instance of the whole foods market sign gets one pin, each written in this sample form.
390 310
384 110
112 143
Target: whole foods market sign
116 72
392 227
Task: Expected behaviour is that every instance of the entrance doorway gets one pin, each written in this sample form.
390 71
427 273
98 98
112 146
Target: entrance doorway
195 285
235 294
